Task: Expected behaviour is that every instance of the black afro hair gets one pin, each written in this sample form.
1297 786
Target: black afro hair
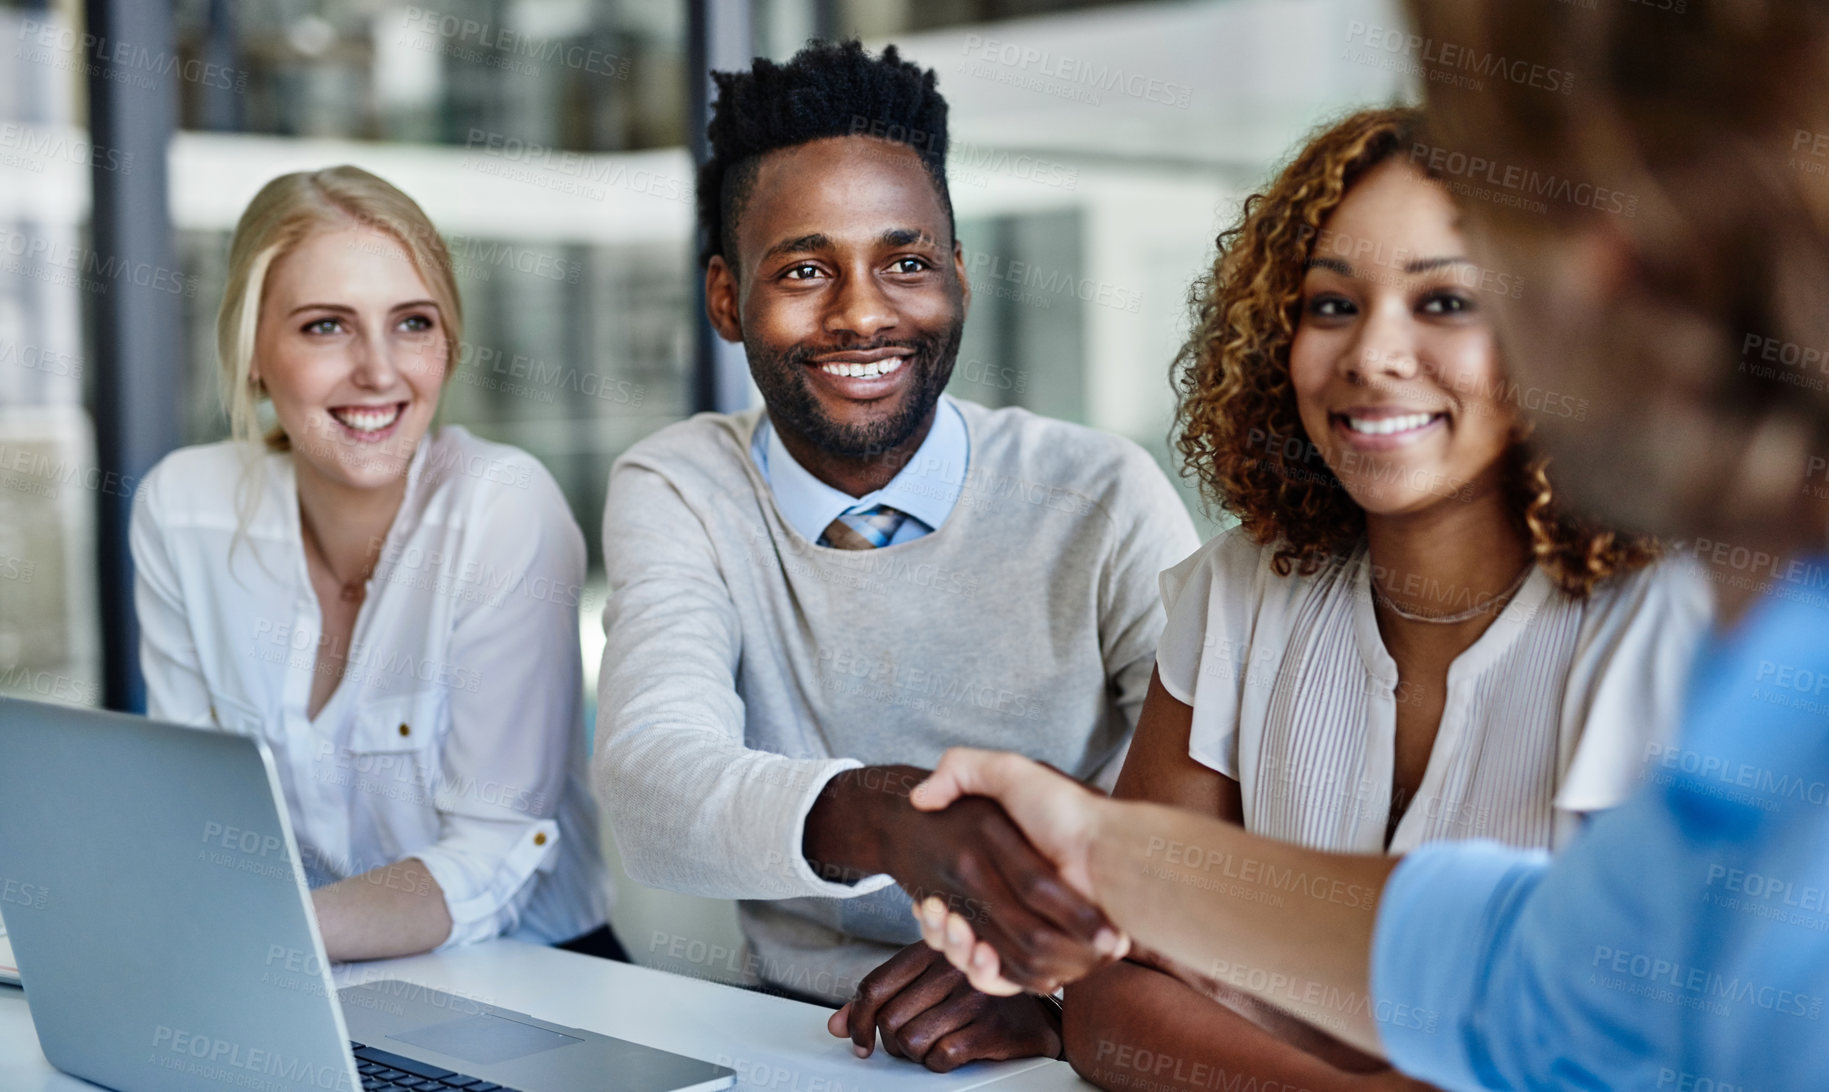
829 89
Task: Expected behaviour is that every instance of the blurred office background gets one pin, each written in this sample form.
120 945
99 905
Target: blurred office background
1097 150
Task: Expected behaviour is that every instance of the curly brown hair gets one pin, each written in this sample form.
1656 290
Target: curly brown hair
1239 431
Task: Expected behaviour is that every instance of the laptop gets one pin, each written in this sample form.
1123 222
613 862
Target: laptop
9 974
159 915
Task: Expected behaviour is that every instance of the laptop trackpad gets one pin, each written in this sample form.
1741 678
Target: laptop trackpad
485 1039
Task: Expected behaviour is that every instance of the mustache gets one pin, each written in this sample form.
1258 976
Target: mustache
804 353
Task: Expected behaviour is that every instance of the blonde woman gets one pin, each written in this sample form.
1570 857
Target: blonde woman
392 609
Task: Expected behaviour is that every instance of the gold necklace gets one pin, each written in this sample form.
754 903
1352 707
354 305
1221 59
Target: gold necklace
350 591
1492 606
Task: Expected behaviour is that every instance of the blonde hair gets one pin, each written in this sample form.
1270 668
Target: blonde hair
285 212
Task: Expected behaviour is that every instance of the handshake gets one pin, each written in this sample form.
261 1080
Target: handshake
1057 817
995 852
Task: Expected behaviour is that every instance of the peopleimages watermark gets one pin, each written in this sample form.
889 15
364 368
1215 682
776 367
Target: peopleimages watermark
485 42
31 148
1681 1080
402 775
589 176
879 677
1065 76
1000 377
18 893
966 163
538 379
1260 874
37 358
207 1057
39 258
297 969
1810 152
1290 991
1527 188
984 267
1118 1065
40 473
478 257
116 61
241 850
1446 62
1672 982
712 959
1732 779
363 661
1770 898
49 685
764 1074
1739 566
1295 457
1803 366
1360 250
19 569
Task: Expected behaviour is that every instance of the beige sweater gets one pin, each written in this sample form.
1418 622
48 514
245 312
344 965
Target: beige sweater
745 666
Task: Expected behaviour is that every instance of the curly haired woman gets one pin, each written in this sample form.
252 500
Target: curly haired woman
1406 638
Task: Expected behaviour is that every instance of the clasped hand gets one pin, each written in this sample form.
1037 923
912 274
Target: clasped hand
973 871
971 861
1056 818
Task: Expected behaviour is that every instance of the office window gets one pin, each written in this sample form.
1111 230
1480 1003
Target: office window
48 627
1097 149
541 137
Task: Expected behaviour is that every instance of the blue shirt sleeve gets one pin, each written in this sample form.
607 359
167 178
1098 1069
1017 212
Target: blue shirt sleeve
1681 943
1442 912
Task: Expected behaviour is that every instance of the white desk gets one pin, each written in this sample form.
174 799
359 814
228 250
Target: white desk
774 1044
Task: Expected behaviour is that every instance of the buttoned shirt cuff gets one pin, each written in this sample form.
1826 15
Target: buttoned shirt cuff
1443 923
486 870
794 859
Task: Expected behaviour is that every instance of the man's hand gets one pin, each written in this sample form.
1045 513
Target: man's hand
928 1013
1056 815
970 858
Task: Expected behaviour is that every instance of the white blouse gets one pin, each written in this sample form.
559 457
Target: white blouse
456 733
1548 715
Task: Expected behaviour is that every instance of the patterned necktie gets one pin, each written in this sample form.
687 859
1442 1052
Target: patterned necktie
865 530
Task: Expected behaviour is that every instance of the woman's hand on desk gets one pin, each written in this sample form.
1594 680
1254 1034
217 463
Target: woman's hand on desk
394 910
928 1013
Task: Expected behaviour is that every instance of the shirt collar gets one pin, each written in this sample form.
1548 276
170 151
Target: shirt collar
926 488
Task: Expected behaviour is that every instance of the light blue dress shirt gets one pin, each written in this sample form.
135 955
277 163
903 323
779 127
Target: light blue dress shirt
926 488
1682 943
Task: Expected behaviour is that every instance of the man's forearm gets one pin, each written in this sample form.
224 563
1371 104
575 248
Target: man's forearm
849 826
1292 926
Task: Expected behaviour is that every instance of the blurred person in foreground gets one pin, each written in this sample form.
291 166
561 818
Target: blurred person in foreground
1676 943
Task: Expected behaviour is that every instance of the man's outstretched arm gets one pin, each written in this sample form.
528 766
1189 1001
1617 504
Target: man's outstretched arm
1197 889
696 809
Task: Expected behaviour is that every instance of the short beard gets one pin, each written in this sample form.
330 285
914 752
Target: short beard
791 403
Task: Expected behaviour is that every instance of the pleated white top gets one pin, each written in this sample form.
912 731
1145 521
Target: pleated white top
1548 715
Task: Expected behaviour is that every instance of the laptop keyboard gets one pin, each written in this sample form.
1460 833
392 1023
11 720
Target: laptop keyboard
381 1069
